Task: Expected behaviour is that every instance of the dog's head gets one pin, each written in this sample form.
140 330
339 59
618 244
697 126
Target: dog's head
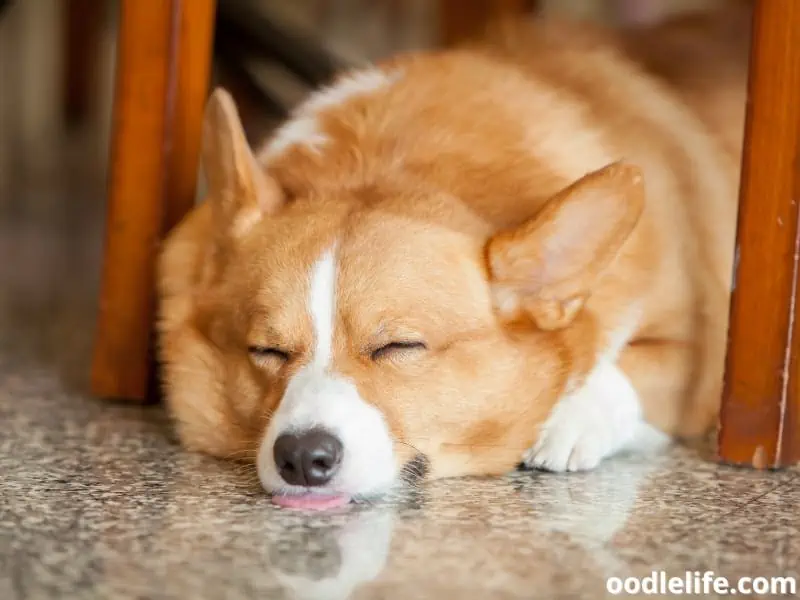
346 340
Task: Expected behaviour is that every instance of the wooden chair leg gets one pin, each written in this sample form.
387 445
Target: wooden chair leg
196 33
164 55
82 29
760 415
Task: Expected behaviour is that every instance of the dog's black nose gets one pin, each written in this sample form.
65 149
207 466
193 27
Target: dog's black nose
310 458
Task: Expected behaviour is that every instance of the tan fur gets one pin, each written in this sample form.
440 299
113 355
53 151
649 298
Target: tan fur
518 204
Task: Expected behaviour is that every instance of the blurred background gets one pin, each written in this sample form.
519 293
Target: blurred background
57 60
57 56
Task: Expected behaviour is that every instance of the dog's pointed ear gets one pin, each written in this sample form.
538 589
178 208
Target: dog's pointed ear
239 190
547 266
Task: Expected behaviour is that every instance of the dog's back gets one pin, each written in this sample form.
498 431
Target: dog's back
670 99
703 57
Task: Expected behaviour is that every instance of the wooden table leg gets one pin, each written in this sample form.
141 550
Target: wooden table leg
164 54
760 415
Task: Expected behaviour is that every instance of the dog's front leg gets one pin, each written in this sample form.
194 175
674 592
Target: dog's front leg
635 403
598 419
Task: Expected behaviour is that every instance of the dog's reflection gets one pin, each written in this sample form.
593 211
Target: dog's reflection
331 561
593 509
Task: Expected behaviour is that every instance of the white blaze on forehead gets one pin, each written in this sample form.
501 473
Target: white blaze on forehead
317 397
303 126
322 307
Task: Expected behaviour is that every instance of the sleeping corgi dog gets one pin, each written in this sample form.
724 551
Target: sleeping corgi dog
458 262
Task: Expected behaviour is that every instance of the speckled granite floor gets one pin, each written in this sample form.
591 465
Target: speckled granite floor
98 501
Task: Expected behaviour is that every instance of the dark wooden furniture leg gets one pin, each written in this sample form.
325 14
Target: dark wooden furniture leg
194 59
760 414
164 56
459 20
83 21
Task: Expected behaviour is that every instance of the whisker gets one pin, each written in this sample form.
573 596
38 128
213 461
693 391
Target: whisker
245 467
247 473
413 484
244 453
503 446
410 445
412 469
471 445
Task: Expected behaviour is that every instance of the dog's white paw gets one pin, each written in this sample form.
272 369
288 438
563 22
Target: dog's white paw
594 422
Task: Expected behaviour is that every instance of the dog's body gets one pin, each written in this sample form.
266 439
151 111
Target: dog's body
519 250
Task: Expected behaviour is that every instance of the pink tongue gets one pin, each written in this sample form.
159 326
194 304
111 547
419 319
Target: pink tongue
311 501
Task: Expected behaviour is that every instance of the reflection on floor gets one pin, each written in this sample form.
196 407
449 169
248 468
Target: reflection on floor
98 501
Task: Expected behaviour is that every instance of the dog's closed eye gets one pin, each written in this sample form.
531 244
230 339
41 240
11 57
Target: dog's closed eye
262 353
397 348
